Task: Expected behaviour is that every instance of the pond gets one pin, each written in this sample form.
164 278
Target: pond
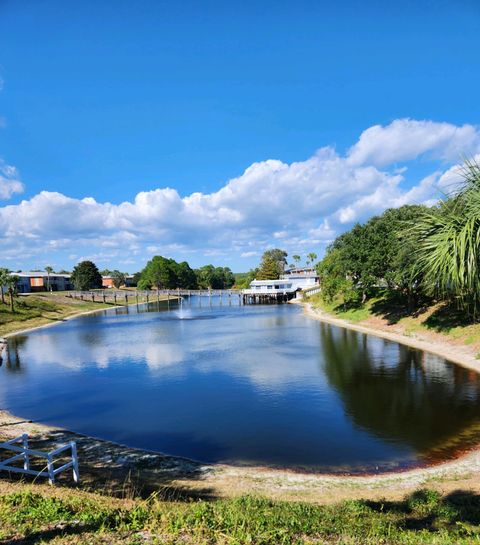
258 384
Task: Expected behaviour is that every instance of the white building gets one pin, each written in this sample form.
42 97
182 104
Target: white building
286 287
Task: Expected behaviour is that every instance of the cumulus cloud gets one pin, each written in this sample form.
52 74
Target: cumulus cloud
406 139
299 205
9 180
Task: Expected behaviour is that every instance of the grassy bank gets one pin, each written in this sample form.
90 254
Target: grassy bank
41 309
29 515
434 321
46 308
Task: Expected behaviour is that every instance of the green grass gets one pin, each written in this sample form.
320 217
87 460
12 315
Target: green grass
335 308
45 308
423 518
34 310
431 316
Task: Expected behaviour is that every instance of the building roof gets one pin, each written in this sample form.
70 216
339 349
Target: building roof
38 274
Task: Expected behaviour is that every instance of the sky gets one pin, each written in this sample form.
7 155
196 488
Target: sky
212 131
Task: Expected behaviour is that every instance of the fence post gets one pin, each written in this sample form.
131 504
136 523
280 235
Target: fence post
26 457
51 474
76 472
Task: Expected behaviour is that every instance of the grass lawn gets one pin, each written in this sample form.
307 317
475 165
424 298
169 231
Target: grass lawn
61 515
435 317
41 309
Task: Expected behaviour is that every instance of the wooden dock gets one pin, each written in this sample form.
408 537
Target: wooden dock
128 297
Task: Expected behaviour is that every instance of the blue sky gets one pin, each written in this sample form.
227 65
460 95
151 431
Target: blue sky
104 105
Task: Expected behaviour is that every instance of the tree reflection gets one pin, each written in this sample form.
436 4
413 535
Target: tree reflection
10 355
399 393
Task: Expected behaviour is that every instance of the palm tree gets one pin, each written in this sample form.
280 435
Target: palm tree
449 243
12 289
4 276
297 259
48 270
312 256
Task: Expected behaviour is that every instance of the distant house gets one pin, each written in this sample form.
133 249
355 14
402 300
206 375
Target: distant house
130 281
107 282
29 282
301 278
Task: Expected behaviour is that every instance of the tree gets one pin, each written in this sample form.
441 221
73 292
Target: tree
85 276
243 280
186 277
449 242
269 269
160 273
136 278
48 270
312 256
4 277
118 278
228 278
279 257
377 254
297 259
12 289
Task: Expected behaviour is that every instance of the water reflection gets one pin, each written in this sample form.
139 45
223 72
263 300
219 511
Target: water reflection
398 393
244 384
10 354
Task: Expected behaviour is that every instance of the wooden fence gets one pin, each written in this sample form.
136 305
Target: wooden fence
127 297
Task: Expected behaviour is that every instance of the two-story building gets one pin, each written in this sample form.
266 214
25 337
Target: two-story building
41 281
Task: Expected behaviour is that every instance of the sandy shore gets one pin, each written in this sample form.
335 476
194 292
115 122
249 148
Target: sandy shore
119 470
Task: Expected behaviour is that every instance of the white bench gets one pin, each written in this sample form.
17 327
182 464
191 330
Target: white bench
20 446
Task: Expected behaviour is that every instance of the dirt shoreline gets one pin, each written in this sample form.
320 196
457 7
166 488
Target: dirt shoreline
117 470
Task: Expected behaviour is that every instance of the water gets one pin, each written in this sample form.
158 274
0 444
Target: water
245 385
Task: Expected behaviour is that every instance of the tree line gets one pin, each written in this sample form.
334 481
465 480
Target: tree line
164 273
159 273
414 252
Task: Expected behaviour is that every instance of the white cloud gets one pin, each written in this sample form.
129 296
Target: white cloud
406 139
9 180
304 204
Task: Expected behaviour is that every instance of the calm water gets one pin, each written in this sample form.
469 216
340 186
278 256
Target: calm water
248 385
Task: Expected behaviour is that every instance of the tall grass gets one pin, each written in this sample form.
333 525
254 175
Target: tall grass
423 518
